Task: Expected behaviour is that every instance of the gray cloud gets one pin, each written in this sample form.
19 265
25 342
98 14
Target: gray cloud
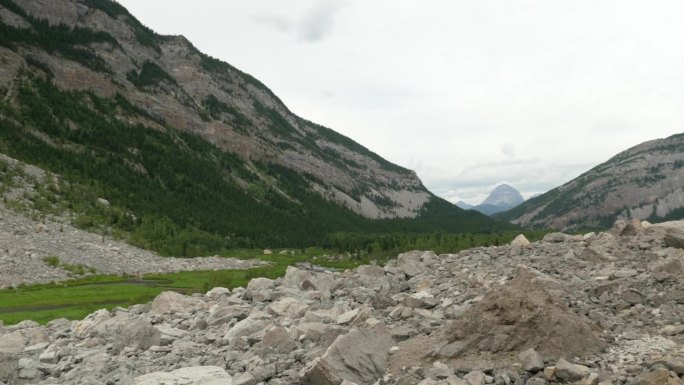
314 25
317 23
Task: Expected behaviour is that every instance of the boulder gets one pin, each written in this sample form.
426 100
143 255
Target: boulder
570 372
279 340
510 317
260 289
632 228
519 244
11 350
256 322
657 377
288 307
555 238
674 237
222 314
360 356
198 375
172 302
138 334
475 377
623 273
531 360
410 263
217 292
370 271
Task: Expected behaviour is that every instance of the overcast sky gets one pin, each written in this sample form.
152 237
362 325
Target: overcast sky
469 94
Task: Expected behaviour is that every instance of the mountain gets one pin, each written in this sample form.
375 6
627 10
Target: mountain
464 206
644 182
192 153
502 198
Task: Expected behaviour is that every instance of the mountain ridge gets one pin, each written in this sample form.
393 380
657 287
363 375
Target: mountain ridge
182 143
642 182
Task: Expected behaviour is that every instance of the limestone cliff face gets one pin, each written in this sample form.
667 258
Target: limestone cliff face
644 182
174 83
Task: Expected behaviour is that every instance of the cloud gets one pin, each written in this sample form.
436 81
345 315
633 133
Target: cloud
508 150
314 25
318 21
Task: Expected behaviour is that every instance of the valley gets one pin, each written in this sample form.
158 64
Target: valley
166 219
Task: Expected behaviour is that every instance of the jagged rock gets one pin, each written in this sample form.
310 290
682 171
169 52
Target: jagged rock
632 228
657 377
244 379
410 263
260 289
250 325
475 377
674 237
531 360
288 307
217 292
371 271
555 238
359 356
11 349
511 317
519 244
570 372
623 273
137 334
279 340
222 314
172 302
200 375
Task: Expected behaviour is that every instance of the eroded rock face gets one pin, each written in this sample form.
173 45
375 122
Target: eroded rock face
519 315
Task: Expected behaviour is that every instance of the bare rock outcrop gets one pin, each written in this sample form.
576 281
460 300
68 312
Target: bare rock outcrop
520 315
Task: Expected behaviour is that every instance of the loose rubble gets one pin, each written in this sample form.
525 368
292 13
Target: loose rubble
25 243
599 309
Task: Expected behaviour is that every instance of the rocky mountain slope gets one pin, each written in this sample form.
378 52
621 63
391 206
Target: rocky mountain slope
28 246
169 134
644 182
595 309
502 198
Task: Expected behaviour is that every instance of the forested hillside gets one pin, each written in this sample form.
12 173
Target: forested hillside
179 191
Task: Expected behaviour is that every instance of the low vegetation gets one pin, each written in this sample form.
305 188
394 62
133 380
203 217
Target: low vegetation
76 298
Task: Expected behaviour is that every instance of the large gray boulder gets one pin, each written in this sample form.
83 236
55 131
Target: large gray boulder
257 322
260 289
198 375
360 356
570 372
531 360
172 302
411 263
11 349
138 334
674 237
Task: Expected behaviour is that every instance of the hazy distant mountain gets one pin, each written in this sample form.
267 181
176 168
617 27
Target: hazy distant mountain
464 206
502 198
644 182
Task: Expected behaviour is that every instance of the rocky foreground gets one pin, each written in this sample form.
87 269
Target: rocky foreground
596 309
